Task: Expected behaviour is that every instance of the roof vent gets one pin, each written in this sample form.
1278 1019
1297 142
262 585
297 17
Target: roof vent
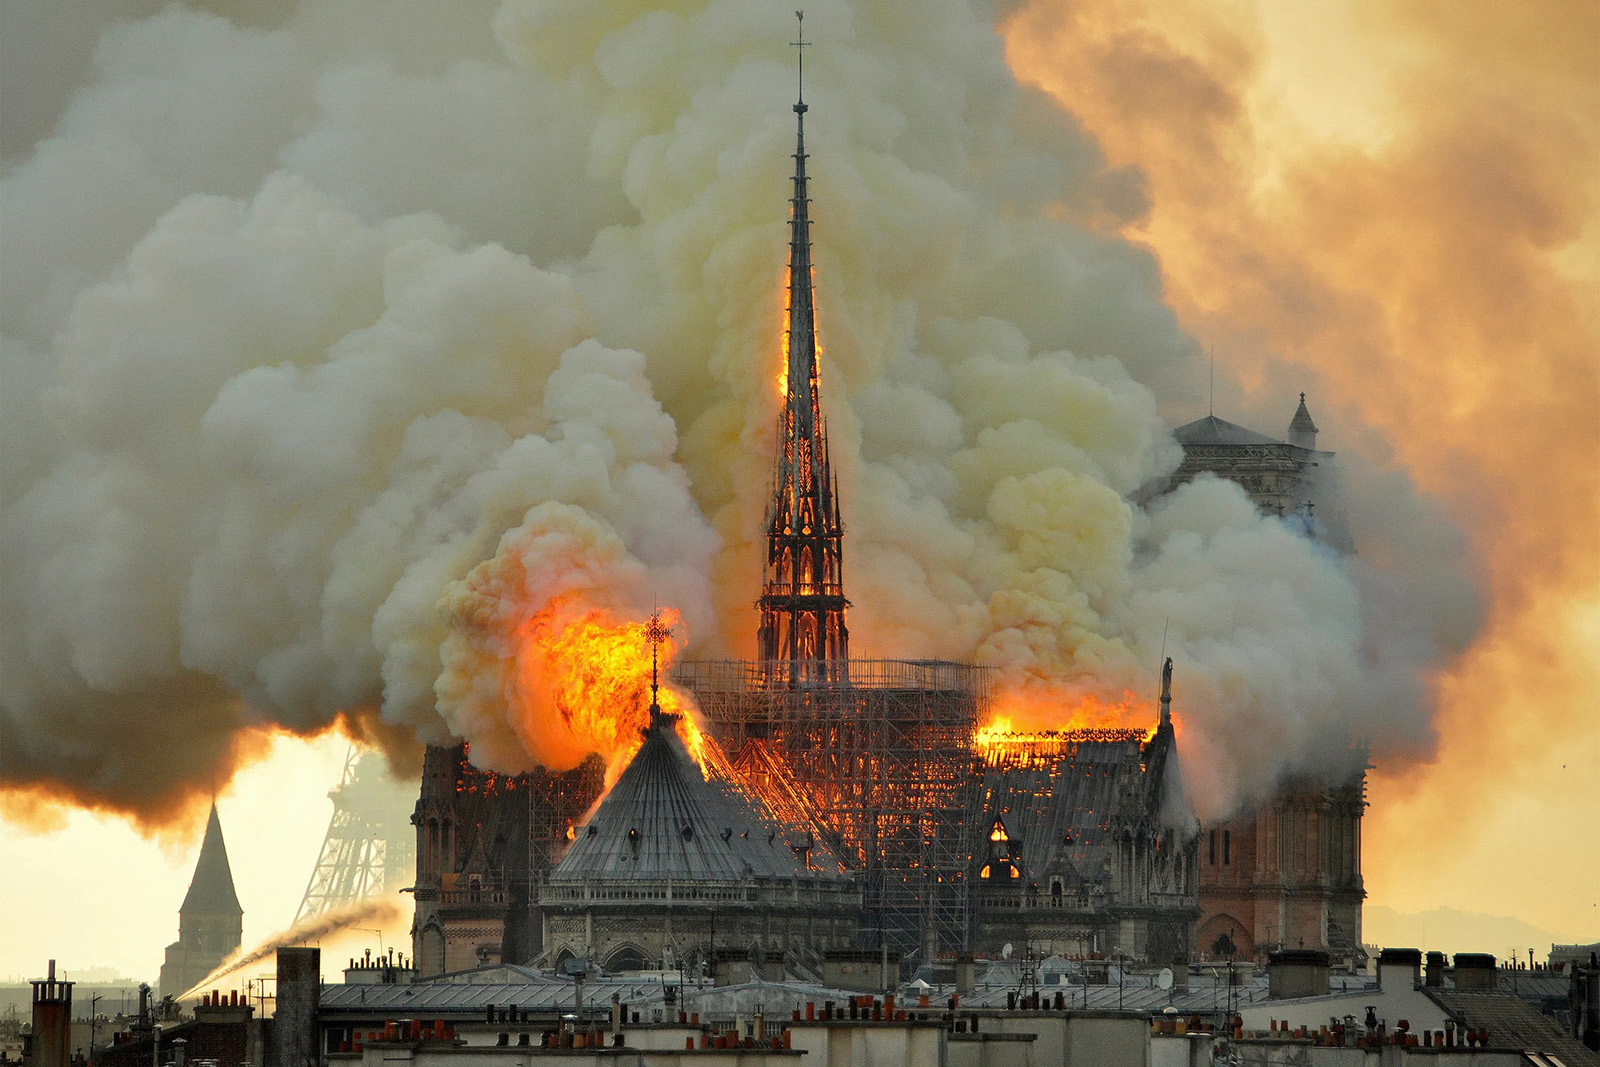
688 833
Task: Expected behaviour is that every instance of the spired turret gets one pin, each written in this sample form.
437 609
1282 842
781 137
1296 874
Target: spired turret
210 920
1302 431
802 639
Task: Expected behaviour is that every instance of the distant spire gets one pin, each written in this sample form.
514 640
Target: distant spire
802 633
211 890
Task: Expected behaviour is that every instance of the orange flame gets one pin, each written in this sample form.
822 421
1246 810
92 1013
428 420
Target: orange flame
594 670
783 333
1053 717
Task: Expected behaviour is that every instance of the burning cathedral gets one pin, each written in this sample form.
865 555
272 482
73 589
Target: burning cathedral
842 802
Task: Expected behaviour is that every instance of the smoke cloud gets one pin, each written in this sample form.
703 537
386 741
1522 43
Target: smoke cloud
328 342
1405 197
382 912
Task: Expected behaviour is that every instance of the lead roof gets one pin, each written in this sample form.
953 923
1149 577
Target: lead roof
663 819
1214 431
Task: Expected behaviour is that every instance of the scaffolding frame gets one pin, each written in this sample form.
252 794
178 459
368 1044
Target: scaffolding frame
557 802
878 756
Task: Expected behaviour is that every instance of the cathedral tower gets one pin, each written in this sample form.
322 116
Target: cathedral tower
210 920
802 639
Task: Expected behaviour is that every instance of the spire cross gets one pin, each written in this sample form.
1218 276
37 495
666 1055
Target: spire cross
800 44
655 633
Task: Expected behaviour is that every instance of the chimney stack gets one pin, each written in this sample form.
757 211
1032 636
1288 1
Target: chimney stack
1399 968
1474 970
52 1021
1297 972
294 1032
1435 970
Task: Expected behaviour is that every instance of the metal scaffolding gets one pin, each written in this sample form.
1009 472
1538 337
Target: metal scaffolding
882 765
557 801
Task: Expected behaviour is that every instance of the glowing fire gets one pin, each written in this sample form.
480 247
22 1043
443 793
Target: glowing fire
594 670
1086 717
783 333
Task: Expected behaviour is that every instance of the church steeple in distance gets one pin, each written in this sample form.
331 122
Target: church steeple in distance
803 639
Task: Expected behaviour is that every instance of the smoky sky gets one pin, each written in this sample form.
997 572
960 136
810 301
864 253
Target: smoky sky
310 313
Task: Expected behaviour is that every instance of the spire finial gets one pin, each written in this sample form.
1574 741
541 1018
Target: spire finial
1302 398
655 633
800 45
1166 691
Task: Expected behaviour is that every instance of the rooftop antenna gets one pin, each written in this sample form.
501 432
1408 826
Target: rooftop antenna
1211 405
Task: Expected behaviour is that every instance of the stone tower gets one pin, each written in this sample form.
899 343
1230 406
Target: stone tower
802 637
210 920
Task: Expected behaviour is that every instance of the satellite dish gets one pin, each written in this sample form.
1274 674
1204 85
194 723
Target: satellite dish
1006 952
1164 979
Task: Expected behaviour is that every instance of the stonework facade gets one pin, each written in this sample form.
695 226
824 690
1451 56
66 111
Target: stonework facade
483 842
1286 874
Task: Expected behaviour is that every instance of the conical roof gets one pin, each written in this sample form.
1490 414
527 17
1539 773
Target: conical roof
211 889
1301 423
664 819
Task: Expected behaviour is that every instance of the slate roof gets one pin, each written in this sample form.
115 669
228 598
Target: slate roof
1214 431
211 889
534 991
663 819
1513 1023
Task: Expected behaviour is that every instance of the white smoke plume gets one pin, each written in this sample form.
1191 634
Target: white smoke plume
314 928
326 334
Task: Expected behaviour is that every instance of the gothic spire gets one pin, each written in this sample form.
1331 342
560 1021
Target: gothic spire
211 889
802 634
